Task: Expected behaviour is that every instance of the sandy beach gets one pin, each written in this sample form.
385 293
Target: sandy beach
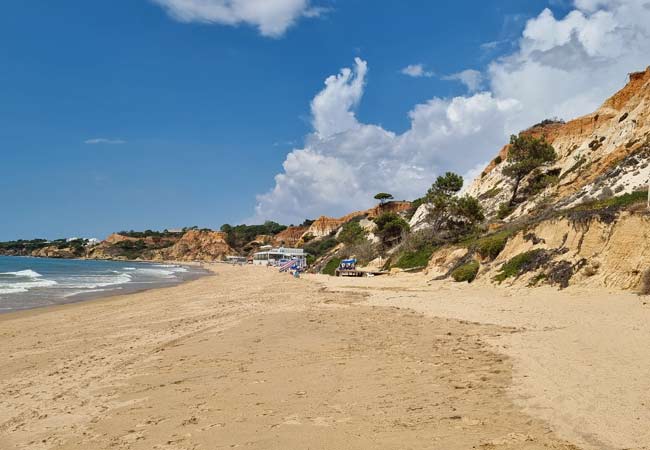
250 358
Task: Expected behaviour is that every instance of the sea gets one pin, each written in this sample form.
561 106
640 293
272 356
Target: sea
27 283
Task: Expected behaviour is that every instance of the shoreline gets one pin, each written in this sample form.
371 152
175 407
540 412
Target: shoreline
195 271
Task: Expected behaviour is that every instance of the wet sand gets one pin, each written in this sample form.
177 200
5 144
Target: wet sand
250 358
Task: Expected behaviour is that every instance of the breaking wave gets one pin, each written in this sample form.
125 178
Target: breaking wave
23 281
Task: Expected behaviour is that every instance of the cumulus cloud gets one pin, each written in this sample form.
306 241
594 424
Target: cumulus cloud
271 17
561 67
96 141
567 66
345 162
472 79
416 71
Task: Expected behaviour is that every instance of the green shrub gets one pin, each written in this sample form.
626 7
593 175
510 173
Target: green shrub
466 272
331 266
319 247
352 233
526 153
491 246
504 210
390 227
240 235
541 181
417 258
522 263
537 279
307 237
614 202
490 194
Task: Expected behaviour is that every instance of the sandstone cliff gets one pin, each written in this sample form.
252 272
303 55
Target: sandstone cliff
323 226
55 252
590 225
197 245
291 237
603 153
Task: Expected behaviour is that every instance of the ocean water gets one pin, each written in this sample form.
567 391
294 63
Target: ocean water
35 282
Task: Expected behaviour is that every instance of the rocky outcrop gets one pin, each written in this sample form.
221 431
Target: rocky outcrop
609 254
291 237
116 238
324 226
159 241
397 207
52 251
197 245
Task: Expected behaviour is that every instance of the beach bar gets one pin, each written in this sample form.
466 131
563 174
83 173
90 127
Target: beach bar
275 256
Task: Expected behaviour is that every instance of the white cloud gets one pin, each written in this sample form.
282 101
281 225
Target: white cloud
333 108
568 66
416 71
271 17
472 79
97 141
345 162
562 67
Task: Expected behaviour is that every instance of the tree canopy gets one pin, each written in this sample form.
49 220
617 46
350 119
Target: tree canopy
450 213
352 233
240 235
445 186
383 197
526 153
390 227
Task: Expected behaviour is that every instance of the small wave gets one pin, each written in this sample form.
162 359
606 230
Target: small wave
160 273
96 281
24 274
174 267
5 289
18 287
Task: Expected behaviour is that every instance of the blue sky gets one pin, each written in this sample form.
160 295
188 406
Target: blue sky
124 115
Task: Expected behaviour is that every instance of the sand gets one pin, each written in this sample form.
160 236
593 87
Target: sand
250 358
581 357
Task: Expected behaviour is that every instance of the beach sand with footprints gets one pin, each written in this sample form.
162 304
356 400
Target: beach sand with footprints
250 358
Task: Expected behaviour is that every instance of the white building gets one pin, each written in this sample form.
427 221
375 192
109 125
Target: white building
274 256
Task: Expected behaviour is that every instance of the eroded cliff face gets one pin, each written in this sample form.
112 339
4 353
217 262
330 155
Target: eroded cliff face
608 254
55 252
559 235
323 226
291 237
601 153
592 252
197 245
